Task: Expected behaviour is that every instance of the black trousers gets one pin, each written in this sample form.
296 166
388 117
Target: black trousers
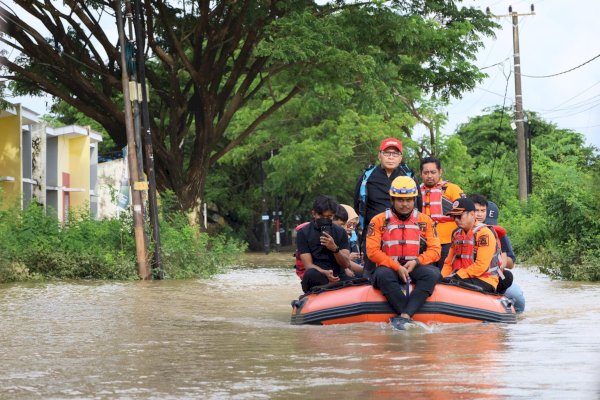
478 282
387 280
313 278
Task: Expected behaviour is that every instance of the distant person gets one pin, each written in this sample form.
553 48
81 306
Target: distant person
403 245
514 291
371 195
438 196
474 255
323 246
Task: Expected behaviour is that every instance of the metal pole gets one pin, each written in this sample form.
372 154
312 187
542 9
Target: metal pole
138 215
521 153
152 195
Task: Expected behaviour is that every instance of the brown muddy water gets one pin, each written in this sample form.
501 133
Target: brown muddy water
230 338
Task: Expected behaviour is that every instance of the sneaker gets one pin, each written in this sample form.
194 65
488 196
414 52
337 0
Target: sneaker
399 323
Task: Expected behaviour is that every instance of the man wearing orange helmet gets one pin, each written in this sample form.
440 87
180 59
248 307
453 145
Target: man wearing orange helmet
403 245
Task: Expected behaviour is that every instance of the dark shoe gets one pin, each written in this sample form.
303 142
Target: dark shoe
399 323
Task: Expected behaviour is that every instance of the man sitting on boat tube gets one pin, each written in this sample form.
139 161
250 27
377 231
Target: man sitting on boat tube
475 255
323 246
403 244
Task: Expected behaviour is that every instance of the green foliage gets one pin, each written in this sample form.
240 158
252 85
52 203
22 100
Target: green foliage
36 246
558 227
189 253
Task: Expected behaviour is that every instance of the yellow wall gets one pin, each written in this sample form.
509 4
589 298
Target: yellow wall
10 159
79 168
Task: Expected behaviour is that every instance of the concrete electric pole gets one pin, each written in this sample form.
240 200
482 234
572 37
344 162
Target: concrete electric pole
519 117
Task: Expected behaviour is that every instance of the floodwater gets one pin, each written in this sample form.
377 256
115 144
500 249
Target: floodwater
230 338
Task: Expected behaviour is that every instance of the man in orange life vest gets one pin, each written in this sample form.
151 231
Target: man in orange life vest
438 196
402 243
474 255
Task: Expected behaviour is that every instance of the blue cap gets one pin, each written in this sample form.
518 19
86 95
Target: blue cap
492 213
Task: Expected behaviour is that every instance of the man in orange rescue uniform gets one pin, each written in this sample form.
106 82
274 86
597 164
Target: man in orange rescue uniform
474 255
402 243
438 195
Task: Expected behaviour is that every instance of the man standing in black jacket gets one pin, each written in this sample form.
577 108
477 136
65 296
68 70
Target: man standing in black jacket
371 195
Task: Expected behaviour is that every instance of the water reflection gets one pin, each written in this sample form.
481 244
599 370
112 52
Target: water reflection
230 337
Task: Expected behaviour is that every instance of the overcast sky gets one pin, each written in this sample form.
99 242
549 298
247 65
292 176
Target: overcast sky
561 35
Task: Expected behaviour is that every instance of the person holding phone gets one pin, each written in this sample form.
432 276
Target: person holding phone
323 246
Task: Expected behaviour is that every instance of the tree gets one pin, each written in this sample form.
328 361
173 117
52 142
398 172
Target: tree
207 61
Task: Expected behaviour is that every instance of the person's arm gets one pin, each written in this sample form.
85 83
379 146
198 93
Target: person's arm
374 252
486 247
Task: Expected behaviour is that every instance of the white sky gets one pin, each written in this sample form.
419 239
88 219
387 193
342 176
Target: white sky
562 35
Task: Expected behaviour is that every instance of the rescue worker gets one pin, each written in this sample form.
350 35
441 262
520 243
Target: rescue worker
438 195
322 246
371 193
474 255
402 243
487 212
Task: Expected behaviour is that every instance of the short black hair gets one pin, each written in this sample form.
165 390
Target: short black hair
325 203
341 214
479 199
428 160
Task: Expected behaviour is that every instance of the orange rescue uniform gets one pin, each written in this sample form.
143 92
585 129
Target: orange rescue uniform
485 246
444 228
380 258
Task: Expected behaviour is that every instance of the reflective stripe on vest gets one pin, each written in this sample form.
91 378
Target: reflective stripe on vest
465 252
434 198
401 240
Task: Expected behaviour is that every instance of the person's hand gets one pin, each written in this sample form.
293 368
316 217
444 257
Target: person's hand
410 265
349 272
355 256
403 273
327 241
330 276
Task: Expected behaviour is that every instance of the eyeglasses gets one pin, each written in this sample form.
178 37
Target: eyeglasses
392 154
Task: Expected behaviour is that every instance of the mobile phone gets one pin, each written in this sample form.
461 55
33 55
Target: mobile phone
326 228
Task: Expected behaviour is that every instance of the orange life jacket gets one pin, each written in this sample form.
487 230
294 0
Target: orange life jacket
465 251
300 269
437 202
402 240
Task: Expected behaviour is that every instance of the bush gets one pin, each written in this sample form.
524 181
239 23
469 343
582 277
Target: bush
36 246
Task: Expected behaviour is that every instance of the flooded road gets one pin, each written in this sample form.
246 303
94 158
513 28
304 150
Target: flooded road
230 338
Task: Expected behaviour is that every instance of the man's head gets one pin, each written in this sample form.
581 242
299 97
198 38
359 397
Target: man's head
481 205
346 217
341 216
324 207
403 192
463 212
390 153
431 171
493 212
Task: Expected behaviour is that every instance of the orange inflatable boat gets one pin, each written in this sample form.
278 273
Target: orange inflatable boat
357 301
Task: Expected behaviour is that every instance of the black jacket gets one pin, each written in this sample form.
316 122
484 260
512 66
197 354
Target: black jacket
378 191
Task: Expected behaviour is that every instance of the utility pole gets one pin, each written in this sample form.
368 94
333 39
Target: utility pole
138 214
159 271
519 117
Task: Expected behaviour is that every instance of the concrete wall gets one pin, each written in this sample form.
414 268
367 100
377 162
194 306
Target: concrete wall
110 174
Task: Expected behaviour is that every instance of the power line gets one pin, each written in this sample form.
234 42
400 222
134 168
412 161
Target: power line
563 72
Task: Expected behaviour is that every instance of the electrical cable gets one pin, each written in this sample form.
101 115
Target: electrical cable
563 72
